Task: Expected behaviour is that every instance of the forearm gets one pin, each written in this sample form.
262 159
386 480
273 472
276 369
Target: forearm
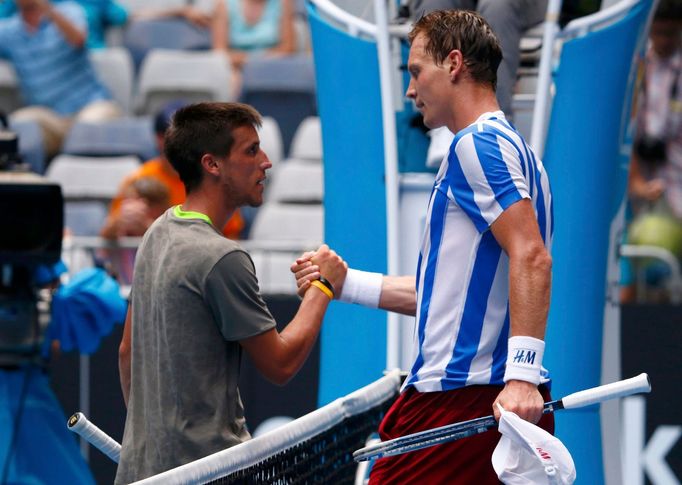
529 290
219 33
530 279
287 41
398 294
158 13
71 33
299 336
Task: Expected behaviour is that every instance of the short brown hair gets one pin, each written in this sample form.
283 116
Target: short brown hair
465 31
203 128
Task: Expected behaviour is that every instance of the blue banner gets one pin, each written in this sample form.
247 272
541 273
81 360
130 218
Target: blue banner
353 339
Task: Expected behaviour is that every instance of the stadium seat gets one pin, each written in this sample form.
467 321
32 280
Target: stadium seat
298 182
10 95
138 5
307 141
272 270
31 146
298 223
289 96
90 178
88 185
85 218
167 75
114 68
122 136
271 140
142 36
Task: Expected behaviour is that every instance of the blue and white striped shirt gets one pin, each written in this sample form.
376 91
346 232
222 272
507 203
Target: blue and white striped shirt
51 72
463 273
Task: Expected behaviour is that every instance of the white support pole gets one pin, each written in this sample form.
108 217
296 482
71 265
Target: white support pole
543 97
391 171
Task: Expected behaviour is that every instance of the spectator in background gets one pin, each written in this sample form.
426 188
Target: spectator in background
143 199
656 168
102 14
46 45
655 181
132 216
241 28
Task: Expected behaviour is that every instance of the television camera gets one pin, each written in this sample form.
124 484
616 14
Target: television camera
30 244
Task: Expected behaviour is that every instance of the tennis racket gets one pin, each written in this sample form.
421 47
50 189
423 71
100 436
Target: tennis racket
456 431
79 424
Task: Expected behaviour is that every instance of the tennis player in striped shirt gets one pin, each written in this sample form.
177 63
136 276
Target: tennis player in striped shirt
481 292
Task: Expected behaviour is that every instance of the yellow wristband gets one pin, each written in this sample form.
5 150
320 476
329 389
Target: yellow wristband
320 286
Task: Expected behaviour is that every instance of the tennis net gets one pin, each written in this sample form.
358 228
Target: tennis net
316 448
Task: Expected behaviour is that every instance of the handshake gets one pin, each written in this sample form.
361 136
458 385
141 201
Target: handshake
323 264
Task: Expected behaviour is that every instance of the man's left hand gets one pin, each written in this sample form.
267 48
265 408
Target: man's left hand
521 398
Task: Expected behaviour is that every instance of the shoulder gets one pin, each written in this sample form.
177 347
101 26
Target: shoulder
488 141
235 260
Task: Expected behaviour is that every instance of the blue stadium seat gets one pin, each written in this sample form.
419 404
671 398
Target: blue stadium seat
289 97
167 75
114 68
10 96
122 136
141 36
31 147
88 185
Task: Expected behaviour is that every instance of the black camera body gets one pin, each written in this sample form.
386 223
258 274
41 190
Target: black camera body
30 243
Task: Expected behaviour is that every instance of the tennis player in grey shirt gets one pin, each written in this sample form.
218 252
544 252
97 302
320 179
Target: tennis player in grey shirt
196 304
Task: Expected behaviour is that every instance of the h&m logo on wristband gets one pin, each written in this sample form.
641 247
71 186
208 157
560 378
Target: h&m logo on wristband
524 356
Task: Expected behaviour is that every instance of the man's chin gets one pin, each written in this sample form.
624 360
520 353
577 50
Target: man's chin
432 125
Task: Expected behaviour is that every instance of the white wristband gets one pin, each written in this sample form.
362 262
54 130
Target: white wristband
524 359
362 287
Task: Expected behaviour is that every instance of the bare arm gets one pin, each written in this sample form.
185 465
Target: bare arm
398 293
71 33
279 356
124 357
219 27
287 40
530 265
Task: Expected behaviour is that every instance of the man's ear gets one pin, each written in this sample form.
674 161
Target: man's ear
455 64
210 164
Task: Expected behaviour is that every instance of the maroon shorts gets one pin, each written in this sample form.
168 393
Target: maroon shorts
465 461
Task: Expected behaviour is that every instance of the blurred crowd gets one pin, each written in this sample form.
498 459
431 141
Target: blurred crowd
655 184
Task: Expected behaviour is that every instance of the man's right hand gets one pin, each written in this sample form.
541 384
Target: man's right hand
323 262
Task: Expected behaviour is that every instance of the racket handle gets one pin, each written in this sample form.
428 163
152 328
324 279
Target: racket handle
79 424
614 390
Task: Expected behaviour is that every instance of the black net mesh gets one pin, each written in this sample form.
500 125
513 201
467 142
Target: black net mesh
324 458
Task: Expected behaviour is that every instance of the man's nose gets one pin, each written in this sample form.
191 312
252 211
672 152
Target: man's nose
265 162
411 91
